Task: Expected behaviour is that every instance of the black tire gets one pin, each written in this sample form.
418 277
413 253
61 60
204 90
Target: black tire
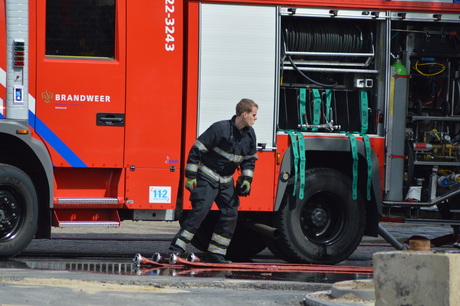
245 243
278 250
18 211
327 225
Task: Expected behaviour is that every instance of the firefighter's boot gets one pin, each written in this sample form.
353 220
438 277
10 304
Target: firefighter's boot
215 258
217 249
180 242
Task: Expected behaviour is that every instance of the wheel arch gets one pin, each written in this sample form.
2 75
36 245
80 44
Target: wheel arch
335 153
31 156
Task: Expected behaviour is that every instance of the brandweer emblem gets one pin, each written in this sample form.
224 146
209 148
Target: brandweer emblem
47 96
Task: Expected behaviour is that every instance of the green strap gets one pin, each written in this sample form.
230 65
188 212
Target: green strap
302 105
302 157
298 151
316 107
354 154
364 104
367 145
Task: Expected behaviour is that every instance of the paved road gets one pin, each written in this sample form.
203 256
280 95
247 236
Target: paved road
149 237
21 285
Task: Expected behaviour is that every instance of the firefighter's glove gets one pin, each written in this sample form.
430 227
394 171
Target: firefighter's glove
243 187
190 184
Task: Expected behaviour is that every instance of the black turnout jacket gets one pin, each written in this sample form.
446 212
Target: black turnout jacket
222 148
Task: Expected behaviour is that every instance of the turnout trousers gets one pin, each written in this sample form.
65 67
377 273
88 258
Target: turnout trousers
202 197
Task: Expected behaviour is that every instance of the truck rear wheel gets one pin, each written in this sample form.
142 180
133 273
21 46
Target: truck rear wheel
18 210
326 226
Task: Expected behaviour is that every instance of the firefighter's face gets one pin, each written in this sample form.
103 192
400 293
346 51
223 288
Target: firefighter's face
250 118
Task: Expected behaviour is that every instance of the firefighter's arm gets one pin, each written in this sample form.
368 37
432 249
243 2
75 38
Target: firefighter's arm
248 165
247 171
194 158
198 150
193 163
201 147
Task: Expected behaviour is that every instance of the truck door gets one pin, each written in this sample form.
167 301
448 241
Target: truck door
81 81
238 57
154 88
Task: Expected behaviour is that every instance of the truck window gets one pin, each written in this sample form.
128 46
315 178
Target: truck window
80 28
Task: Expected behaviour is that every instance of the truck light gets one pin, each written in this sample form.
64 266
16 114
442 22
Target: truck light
22 132
19 52
278 158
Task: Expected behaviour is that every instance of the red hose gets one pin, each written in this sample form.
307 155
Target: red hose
183 263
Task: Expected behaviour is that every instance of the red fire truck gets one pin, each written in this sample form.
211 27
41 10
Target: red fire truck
359 116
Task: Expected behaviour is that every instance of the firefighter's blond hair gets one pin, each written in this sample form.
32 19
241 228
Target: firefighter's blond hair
245 106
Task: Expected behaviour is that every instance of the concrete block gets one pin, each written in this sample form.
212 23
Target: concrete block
416 278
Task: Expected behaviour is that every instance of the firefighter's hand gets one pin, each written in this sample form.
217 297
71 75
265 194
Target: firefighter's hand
190 184
243 187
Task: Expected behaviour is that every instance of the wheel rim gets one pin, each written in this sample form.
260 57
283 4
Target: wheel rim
10 215
322 217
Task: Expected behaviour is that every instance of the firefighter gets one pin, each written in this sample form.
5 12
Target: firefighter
212 161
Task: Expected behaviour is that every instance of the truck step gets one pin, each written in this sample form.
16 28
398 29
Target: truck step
89 224
87 212
76 203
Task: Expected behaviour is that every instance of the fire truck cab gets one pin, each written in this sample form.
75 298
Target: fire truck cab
358 116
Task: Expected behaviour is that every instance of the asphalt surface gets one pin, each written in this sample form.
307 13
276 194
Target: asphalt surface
41 274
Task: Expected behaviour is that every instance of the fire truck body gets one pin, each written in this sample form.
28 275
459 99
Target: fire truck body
103 99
